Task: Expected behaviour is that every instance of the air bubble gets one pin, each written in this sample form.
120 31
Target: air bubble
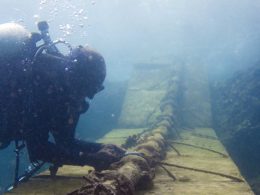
68 26
61 27
81 11
42 2
35 16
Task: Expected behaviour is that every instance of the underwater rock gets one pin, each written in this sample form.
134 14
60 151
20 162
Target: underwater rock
236 111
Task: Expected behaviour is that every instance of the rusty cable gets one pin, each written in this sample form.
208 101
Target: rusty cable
236 179
199 147
177 151
168 172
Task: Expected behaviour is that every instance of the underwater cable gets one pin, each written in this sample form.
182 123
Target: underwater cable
177 151
199 147
168 172
236 179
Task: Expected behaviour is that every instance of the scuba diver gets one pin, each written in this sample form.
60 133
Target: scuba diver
43 93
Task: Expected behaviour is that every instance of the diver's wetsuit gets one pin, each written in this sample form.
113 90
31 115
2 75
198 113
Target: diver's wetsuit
43 92
56 107
41 102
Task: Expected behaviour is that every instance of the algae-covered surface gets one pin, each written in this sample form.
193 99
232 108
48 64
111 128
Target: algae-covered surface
146 88
196 183
191 182
187 183
195 104
68 179
118 136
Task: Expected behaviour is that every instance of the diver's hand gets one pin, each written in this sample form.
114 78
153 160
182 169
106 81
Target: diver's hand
107 155
113 151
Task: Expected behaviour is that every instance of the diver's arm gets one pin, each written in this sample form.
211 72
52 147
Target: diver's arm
93 154
67 149
66 120
64 151
81 153
74 152
64 136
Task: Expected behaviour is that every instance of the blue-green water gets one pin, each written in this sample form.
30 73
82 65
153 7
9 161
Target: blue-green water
222 35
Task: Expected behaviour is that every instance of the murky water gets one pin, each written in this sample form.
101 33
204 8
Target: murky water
216 44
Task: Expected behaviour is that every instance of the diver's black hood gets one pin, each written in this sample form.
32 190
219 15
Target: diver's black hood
89 70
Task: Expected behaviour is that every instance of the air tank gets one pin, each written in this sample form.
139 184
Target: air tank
14 39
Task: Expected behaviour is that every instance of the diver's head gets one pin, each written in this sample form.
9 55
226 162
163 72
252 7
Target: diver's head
89 70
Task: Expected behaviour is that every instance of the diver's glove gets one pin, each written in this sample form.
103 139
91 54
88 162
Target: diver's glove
103 158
